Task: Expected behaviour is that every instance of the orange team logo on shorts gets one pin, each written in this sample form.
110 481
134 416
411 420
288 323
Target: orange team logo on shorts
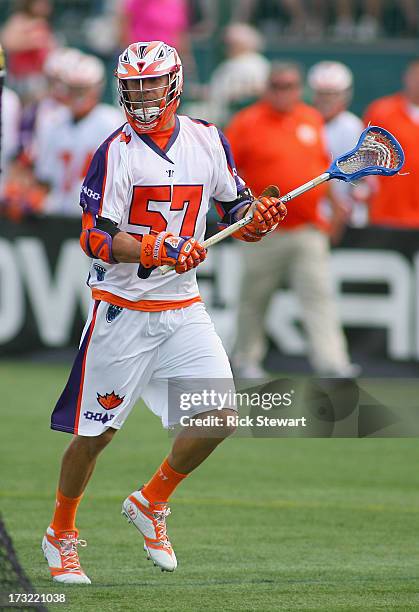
109 401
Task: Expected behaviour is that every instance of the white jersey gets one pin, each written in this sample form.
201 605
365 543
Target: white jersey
65 150
142 188
10 120
49 113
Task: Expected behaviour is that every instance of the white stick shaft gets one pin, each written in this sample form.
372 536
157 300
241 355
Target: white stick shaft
227 231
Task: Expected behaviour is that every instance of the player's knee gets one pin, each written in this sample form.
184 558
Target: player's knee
107 435
96 444
227 422
104 438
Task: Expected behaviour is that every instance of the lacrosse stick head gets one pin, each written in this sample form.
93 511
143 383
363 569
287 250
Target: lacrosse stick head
377 152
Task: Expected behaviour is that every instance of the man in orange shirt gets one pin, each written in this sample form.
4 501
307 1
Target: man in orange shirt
399 113
281 139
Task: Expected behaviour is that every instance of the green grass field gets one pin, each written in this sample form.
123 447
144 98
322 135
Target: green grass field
267 524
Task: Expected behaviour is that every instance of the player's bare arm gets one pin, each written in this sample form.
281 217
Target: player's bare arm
105 241
125 248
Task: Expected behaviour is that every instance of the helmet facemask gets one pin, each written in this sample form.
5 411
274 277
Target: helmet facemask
149 105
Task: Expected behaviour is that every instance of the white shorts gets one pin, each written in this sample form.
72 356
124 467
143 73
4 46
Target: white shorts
127 354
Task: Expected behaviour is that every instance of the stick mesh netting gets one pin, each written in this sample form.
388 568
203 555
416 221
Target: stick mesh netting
375 150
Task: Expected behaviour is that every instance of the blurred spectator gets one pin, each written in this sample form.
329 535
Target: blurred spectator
10 120
51 109
371 20
166 20
111 27
27 39
298 14
23 196
203 16
410 12
242 77
396 202
143 20
280 140
331 84
66 149
101 28
343 19
369 24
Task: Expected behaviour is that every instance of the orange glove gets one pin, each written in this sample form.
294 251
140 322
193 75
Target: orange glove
268 213
164 248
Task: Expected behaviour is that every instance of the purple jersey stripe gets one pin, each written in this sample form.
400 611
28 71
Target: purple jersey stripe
173 137
91 194
162 152
64 414
230 161
228 153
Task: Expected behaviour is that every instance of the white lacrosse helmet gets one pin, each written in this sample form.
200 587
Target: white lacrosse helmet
82 70
330 77
145 60
58 59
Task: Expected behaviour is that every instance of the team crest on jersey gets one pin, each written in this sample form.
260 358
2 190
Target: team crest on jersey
109 401
100 272
113 312
125 138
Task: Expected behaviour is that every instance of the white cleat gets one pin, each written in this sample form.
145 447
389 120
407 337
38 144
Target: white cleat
150 520
61 553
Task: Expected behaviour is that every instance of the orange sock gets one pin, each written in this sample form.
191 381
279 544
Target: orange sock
65 512
162 484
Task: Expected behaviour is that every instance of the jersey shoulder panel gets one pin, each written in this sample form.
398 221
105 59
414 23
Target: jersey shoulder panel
202 129
228 183
205 132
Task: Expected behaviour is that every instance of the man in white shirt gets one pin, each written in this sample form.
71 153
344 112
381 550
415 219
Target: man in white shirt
242 76
331 84
10 119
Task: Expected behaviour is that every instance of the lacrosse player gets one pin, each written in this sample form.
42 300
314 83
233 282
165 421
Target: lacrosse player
65 146
144 201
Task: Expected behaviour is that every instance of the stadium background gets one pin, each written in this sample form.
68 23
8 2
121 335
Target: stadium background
336 517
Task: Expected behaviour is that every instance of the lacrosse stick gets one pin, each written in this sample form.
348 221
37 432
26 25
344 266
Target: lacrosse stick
377 152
